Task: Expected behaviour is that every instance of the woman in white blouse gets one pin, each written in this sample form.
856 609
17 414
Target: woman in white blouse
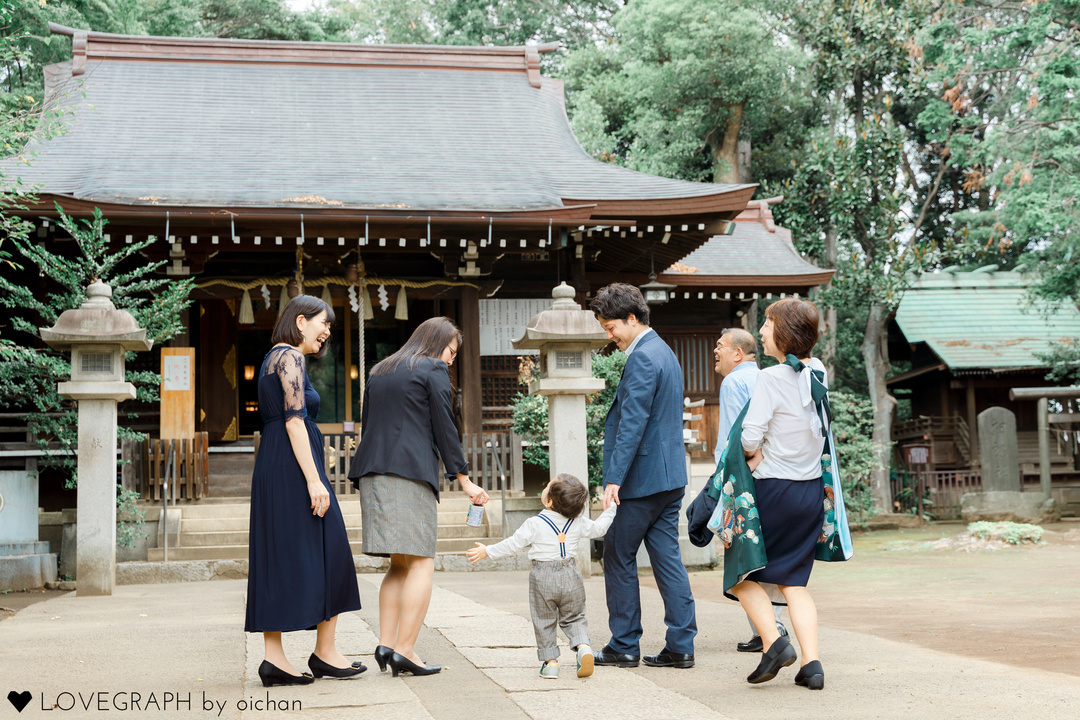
783 439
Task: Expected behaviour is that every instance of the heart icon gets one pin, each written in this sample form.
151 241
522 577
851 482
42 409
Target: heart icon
19 700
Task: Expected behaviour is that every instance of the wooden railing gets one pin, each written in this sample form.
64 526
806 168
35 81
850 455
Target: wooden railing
949 436
190 477
479 449
338 449
935 493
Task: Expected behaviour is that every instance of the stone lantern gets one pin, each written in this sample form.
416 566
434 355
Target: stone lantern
566 335
98 335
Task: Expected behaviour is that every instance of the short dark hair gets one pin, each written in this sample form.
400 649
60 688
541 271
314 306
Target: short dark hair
741 340
618 301
285 330
428 340
567 495
795 326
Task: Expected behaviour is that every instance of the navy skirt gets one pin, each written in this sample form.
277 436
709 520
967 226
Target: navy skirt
792 512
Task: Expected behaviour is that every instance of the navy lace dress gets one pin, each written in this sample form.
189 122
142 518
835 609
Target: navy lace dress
300 566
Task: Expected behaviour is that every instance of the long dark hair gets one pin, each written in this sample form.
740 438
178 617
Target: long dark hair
285 330
429 340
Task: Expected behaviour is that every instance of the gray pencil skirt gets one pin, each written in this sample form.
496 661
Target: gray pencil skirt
399 516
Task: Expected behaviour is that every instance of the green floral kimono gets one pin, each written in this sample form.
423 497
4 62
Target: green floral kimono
737 522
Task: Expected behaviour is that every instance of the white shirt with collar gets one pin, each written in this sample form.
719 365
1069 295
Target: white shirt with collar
543 542
779 424
633 344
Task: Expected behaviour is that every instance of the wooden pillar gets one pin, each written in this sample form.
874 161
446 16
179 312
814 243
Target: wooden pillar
468 362
346 334
1044 447
972 420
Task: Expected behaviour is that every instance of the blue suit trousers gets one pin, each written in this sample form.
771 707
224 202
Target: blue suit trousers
654 520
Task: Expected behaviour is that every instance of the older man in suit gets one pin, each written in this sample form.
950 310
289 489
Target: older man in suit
645 475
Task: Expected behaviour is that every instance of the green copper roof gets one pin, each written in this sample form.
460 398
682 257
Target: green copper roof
982 320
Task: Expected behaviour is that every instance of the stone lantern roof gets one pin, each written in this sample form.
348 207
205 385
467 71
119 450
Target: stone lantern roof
96 322
565 321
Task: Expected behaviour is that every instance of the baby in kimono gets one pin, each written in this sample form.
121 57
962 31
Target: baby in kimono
556 590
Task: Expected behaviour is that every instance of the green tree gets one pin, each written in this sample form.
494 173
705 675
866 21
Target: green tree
531 416
868 183
674 90
1007 76
28 371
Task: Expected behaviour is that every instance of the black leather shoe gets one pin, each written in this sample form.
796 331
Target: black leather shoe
811 676
666 658
273 675
319 668
754 643
382 654
607 656
400 663
780 655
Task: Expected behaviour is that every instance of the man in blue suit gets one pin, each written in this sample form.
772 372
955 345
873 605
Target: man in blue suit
645 475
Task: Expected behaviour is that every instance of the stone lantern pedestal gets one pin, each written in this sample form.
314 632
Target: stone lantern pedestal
566 335
98 335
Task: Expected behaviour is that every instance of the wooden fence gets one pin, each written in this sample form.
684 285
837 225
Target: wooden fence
935 493
479 448
191 461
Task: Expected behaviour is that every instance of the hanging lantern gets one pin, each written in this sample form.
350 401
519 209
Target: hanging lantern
326 296
402 310
247 315
369 312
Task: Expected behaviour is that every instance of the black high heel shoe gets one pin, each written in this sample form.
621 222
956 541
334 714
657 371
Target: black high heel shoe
779 655
273 675
400 663
319 669
382 654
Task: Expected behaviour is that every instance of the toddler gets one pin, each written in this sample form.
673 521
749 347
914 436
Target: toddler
556 590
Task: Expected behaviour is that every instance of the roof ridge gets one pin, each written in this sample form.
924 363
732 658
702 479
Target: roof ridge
111 46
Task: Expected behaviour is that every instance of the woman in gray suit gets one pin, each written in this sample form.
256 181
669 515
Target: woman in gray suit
407 426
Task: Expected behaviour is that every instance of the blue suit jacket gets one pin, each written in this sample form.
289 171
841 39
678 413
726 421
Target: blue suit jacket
643 437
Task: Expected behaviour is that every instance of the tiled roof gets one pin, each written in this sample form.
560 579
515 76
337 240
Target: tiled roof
204 123
758 247
982 320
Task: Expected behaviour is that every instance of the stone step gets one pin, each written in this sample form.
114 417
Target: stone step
211 539
450 515
233 524
31 570
240 552
29 547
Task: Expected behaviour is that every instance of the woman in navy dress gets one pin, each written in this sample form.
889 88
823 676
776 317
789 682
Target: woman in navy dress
300 566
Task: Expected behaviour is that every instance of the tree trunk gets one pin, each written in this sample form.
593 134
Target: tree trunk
875 351
830 311
726 153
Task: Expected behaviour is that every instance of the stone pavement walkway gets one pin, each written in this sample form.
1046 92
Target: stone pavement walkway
179 651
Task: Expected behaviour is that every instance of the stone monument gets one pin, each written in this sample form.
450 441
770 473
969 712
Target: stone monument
25 561
566 335
998 452
98 335
1002 498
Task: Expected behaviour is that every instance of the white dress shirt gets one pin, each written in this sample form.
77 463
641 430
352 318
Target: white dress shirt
543 542
634 342
779 424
